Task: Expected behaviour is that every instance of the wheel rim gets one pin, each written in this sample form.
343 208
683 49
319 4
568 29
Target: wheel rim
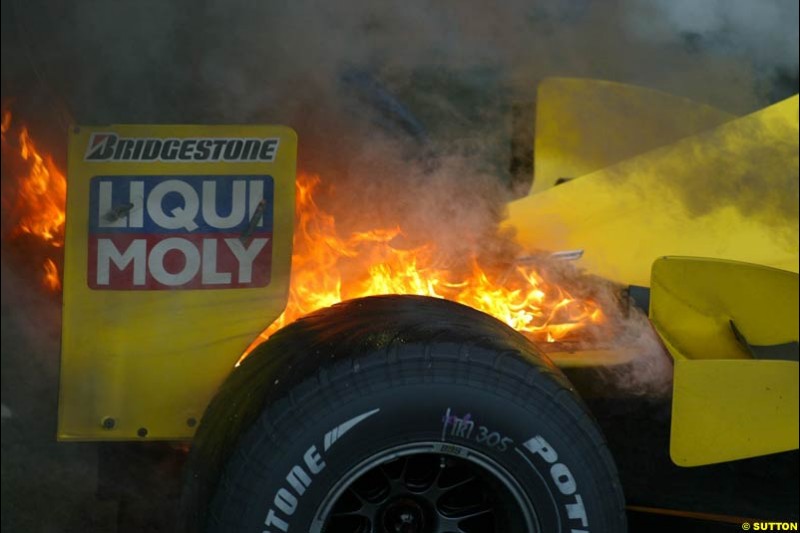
426 488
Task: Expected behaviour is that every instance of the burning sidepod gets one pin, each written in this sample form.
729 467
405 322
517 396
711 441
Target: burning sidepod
178 250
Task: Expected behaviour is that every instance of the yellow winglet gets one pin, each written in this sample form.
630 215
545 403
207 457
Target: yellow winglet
727 405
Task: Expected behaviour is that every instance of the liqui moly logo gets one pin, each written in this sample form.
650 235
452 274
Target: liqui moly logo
180 232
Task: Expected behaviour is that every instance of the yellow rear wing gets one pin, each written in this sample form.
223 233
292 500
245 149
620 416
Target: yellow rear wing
178 251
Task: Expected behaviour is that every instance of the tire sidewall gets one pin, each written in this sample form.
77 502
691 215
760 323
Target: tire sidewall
538 440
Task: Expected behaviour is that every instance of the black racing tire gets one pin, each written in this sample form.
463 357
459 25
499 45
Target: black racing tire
400 413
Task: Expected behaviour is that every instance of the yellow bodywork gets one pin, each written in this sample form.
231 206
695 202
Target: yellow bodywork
146 362
727 405
584 125
647 176
628 176
729 192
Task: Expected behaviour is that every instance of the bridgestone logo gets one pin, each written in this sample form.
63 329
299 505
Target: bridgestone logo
111 147
300 477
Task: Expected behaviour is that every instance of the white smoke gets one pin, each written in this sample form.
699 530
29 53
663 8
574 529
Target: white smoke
765 32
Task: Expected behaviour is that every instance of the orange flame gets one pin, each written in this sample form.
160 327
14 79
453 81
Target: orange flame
327 269
40 195
51 279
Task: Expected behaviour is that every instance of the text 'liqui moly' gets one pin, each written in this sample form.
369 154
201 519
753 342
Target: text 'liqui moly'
180 232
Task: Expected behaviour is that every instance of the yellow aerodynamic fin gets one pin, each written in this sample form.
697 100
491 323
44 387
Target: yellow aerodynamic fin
732 329
584 125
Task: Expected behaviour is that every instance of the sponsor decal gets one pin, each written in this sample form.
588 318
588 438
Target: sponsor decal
180 232
464 427
563 480
112 147
338 432
301 475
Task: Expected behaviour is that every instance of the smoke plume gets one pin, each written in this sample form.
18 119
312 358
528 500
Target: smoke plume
404 110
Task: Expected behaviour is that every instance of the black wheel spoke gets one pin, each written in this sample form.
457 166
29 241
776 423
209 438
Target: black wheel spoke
454 524
421 493
458 484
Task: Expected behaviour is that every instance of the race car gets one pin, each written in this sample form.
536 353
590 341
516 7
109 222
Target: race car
409 413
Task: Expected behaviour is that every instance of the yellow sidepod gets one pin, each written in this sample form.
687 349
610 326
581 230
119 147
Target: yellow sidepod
729 192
